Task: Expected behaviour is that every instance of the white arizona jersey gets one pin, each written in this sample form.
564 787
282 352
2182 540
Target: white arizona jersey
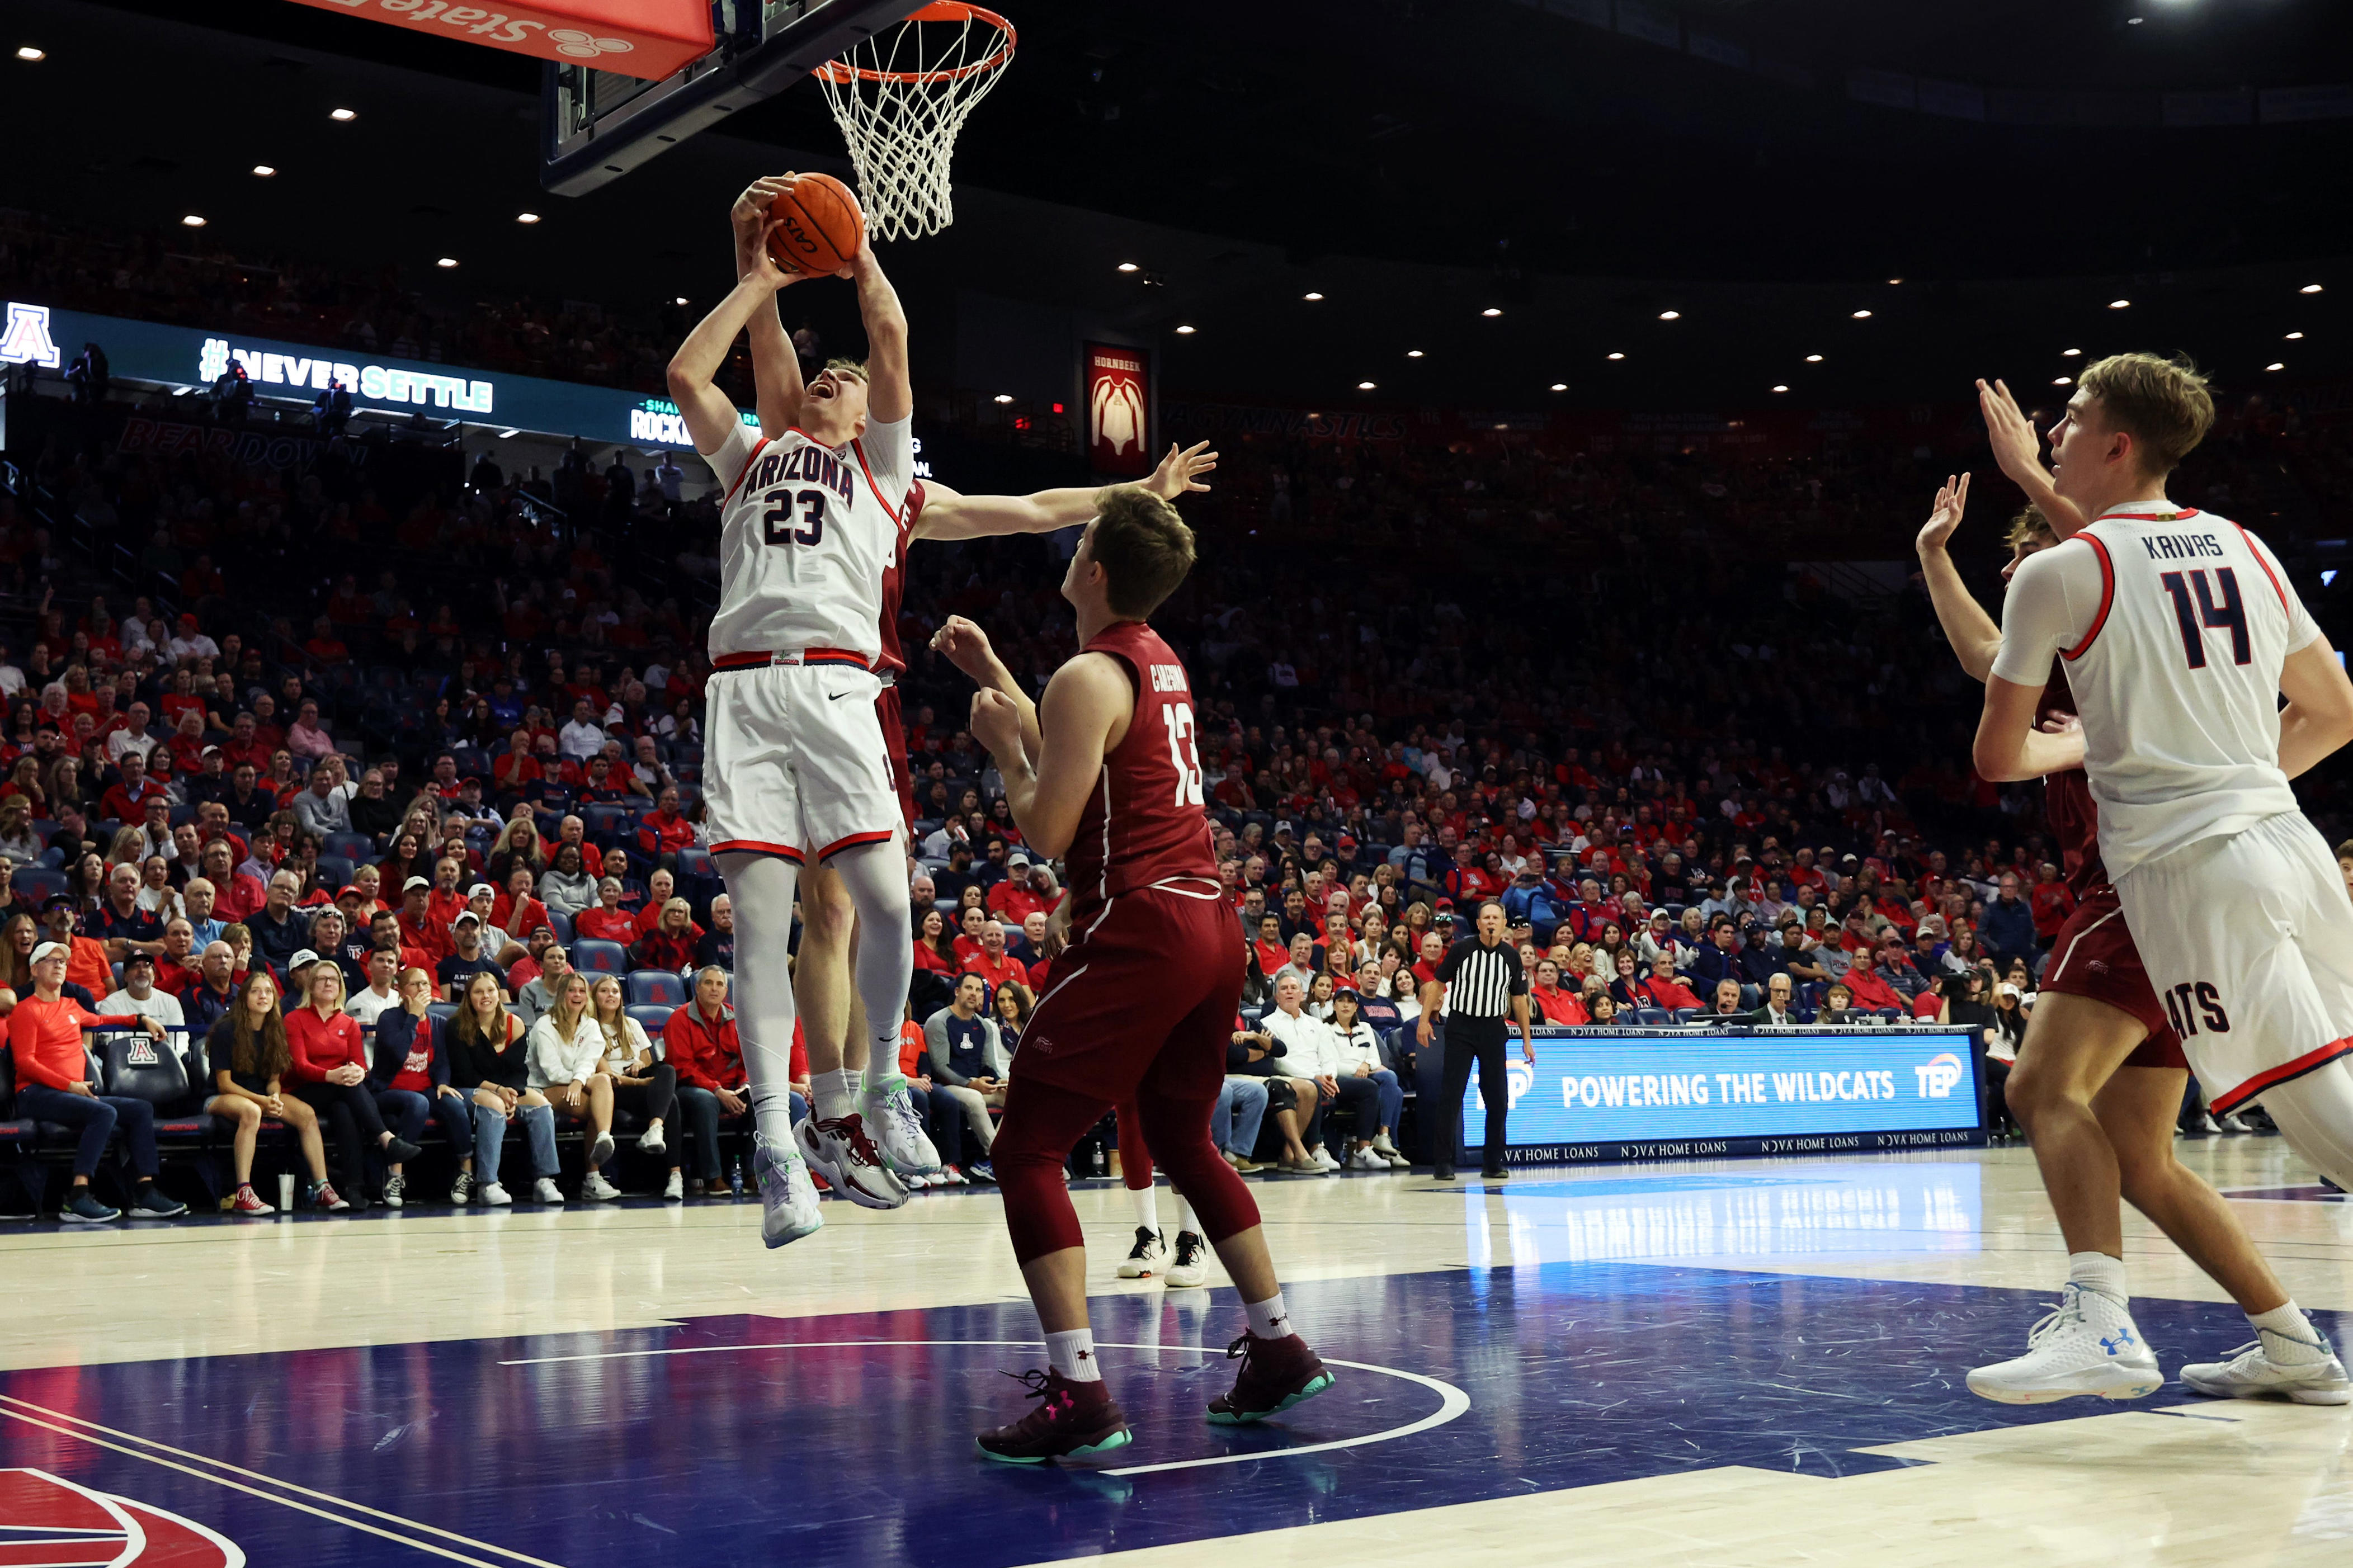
806 532
2173 624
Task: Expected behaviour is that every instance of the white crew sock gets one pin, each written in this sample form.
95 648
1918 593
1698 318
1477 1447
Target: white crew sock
1269 1318
836 1094
2289 1337
1185 1219
1072 1353
1147 1206
2098 1271
856 1079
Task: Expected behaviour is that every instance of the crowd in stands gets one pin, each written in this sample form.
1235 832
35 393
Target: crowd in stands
425 758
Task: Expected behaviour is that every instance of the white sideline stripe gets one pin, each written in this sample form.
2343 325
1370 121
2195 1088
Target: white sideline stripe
1452 1401
76 1421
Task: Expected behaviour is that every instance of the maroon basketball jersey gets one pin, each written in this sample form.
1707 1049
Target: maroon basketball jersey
1144 822
893 660
2067 801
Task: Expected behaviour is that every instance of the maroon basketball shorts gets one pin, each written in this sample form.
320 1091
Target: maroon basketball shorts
1144 998
2093 956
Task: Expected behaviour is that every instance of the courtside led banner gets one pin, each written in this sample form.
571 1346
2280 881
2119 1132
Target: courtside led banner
1119 410
1653 1093
648 38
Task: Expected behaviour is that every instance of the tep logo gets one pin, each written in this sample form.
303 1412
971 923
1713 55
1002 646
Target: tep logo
46 1522
1939 1074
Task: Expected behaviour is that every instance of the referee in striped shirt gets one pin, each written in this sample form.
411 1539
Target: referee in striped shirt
1483 990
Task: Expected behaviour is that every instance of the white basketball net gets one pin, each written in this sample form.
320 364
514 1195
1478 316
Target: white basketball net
899 99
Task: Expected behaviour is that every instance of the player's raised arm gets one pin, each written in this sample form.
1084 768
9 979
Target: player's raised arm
1973 634
709 414
776 367
1087 699
2019 453
968 649
948 514
890 396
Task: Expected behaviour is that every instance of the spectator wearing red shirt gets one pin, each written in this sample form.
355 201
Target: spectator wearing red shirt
45 1039
700 1042
1664 989
661 888
997 966
418 929
2053 901
446 900
125 801
934 952
663 832
1554 1006
244 748
606 920
516 910
1273 952
669 945
330 1075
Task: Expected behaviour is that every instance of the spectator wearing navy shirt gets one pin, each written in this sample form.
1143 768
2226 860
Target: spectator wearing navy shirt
466 960
2008 930
717 948
120 922
279 930
1717 958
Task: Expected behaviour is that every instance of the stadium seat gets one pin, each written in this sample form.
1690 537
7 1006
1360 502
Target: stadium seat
560 924
38 882
599 957
334 871
649 987
441 1012
136 1066
350 845
605 824
653 1018
1653 1017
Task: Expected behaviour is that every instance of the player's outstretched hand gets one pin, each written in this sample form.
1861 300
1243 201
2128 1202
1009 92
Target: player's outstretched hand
1945 516
1175 474
749 215
997 722
966 646
760 265
2016 448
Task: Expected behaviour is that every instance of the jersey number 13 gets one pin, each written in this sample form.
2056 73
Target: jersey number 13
1178 717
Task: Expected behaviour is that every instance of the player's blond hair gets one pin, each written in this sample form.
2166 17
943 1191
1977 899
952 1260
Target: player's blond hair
2164 405
856 367
1142 546
2031 527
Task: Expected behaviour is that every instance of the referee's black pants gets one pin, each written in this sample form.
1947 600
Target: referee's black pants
1469 1040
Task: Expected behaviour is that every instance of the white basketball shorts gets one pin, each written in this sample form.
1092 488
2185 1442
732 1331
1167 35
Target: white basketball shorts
795 764
2248 939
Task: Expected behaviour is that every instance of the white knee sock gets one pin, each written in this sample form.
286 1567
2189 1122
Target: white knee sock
876 877
2315 1113
1147 1206
1072 1353
1185 1219
761 887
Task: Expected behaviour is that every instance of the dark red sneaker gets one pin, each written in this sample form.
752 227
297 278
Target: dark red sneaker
1276 1375
1072 1421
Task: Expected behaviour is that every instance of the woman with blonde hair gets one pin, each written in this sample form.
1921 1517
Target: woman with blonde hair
128 846
640 1084
488 1061
250 1057
567 1059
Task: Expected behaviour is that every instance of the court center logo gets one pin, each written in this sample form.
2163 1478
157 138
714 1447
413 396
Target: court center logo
1518 1079
1940 1075
47 1521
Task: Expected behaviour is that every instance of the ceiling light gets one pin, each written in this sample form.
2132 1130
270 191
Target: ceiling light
1813 359
1891 282
1184 332
1415 354
1560 386
2309 288
27 52
193 221
1127 267
678 300
1616 356
2276 365
1003 397
1862 315
2295 337
526 217
2120 304
343 114
2135 21
1491 310
1781 389
447 262
2062 380
1364 386
264 170
1311 294
2070 354
1671 315
509 434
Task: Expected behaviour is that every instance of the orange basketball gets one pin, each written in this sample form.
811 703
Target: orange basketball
820 227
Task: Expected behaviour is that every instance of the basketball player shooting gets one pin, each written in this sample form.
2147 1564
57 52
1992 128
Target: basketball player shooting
1103 771
2101 1073
811 521
833 1020
2179 632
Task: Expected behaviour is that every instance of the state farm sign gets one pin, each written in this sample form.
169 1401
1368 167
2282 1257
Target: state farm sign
648 38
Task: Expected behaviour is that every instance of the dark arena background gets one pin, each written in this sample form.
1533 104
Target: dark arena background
1579 383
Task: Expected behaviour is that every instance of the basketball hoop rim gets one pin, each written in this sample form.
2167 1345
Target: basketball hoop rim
842 73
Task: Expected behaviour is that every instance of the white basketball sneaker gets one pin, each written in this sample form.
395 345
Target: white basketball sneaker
1148 1257
840 1151
2252 1374
1191 1265
787 1197
898 1132
2088 1345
